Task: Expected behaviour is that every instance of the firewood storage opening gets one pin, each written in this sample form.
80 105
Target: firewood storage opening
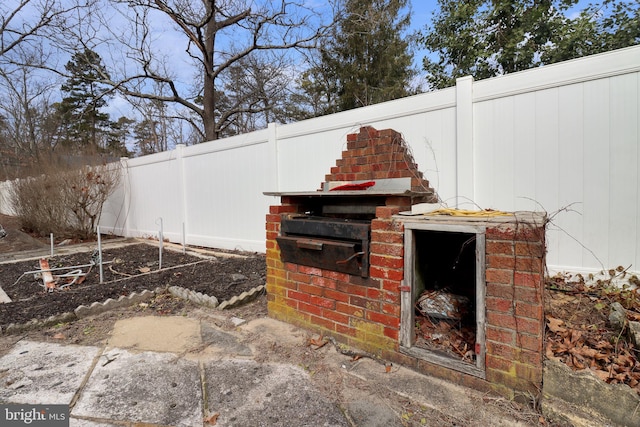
443 298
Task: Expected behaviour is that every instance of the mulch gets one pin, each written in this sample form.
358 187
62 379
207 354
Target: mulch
131 268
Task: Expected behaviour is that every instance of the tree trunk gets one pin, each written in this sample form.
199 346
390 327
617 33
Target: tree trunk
209 90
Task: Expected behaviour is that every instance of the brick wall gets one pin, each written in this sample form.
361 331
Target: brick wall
514 305
365 312
373 154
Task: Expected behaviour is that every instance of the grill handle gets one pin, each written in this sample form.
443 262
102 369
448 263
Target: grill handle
344 261
309 244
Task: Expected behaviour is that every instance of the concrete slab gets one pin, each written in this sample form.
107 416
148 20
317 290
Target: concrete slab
596 401
44 373
372 412
246 393
281 332
222 344
155 333
456 402
147 387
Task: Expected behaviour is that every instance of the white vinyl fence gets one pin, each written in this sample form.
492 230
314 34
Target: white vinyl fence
562 138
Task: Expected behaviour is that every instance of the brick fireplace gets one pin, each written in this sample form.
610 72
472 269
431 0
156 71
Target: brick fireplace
365 291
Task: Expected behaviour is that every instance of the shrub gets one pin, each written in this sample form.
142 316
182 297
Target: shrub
63 201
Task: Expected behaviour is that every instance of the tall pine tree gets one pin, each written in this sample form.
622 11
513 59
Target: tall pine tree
368 60
85 127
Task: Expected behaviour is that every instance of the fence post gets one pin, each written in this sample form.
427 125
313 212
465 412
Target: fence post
126 195
272 160
464 141
183 189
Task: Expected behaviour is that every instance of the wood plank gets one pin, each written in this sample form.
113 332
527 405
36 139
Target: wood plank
447 362
407 332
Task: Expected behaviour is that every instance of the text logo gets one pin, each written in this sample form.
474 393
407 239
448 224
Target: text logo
34 415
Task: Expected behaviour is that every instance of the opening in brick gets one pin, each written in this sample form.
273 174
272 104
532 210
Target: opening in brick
445 293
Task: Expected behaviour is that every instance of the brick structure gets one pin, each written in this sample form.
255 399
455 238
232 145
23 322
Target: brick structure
366 312
372 155
363 312
514 304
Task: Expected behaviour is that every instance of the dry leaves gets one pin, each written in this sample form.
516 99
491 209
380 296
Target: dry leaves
318 342
555 325
578 333
449 336
611 363
212 419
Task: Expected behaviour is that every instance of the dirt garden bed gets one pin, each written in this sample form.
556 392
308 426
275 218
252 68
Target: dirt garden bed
130 269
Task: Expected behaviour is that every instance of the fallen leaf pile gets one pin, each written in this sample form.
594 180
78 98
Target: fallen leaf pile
578 332
449 336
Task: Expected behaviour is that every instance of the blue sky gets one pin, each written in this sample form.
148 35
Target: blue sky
421 14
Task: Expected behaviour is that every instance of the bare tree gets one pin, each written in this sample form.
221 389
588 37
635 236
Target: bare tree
27 64
257 90
158 127
215 40
216 35
28 126
23 21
